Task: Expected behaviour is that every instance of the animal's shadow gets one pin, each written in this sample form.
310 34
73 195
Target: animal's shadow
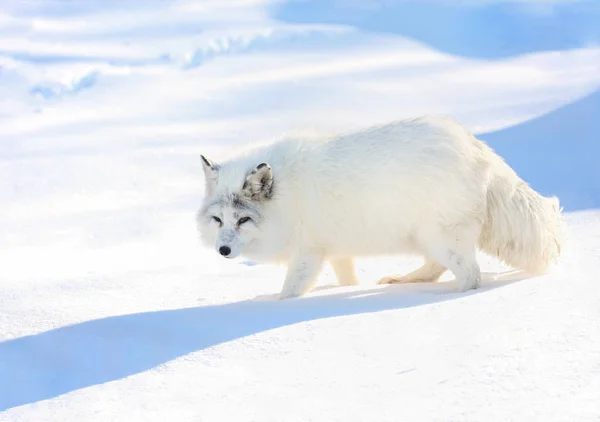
58 361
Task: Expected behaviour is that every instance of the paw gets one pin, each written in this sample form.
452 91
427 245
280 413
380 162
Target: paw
266 298
392 279
289 294
466 285
353 281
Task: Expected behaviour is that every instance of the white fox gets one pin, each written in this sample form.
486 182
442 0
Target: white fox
424 186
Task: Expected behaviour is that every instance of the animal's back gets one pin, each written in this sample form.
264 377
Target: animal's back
405 146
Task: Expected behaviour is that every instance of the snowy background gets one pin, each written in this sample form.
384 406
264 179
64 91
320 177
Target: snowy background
111 310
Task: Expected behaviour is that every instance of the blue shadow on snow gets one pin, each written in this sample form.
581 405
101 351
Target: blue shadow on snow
45 365
474 29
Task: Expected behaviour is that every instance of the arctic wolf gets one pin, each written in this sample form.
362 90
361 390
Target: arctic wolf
424 186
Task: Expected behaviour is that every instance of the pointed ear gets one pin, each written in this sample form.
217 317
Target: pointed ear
211 172
258 186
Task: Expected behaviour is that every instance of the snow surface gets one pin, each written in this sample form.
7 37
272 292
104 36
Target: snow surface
111 310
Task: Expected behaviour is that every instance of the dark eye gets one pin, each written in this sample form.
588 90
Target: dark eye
217 219
243 220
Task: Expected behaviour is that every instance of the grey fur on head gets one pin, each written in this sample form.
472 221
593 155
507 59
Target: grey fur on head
258 185
239 206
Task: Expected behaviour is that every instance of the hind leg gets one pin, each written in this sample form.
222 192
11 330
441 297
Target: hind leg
457 252
344 271
430 271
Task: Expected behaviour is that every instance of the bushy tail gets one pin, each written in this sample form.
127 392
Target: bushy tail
524 229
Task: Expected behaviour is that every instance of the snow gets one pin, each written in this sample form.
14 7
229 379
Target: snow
110 309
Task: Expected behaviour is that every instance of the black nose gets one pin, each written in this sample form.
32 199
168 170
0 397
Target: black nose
224 250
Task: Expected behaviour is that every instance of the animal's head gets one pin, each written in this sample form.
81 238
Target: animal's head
231 214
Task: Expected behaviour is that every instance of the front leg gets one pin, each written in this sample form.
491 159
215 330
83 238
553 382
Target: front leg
303 269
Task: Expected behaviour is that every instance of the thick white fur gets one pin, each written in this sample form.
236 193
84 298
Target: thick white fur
424 186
